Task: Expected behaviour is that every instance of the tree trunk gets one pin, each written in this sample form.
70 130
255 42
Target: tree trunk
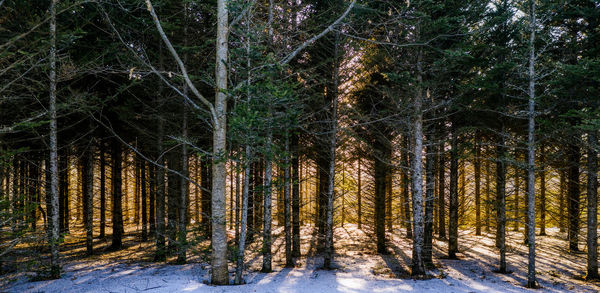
453 207
405 188
52 212
102 192
267 212
517 205
117 211
88 198
487 196
442 192
295 196
429 200
244 220
542 192
286 206
501 199
573 196
477 167
418 265
561 208
183 193
206 183
152 199
161 253
380 188
592 207
219 235
359 196
144 199
173 193
531 282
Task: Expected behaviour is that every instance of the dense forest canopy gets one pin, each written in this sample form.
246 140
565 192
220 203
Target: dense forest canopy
218 130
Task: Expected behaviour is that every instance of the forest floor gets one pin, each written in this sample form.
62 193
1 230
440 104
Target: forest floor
359 268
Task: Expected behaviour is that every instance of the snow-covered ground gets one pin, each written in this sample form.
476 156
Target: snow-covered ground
359 269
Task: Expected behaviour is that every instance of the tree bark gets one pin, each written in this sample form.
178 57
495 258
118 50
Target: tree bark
295 196
52 212
144 199
219 235
531 282
287 205
244 220
418 265
573 196
442 192
117 211
88 198
102 192
501 199
267 212
405 188
453 205
477 167
592 207
429 200
359 195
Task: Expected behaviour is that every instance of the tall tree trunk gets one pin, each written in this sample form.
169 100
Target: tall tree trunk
487 196
501 199
144 198
219 235
117 210
102 192
561 208
152 199
418 265
453 205
53 196
267 212
63 208
359 195
388 200
183 191
542 192
380 188
88 198
173 193
429 200
206 183
592 207
477 167
442 192
517 205
295 196
161 253
531 282
405 188
244 220
287 205
573 196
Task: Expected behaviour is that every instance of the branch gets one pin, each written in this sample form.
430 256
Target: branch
315 38
180 63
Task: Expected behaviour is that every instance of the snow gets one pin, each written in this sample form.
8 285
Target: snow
358 270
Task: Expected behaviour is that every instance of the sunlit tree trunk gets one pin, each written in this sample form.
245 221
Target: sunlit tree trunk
477 167
592 206
453 202
531 282
295 196
117 210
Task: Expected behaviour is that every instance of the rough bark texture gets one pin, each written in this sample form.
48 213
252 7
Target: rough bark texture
88 196
359 195
286 206
244 219
295 197
144 199
160 254
53 196
501 200
117 212
219 236
531 282
592 206
418 265
573 196
453 205
102 192
268 209
429 200
477 167
405 188
442 192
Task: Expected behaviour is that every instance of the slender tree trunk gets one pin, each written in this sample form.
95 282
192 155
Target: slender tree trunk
88 196
429 200
542 192
244 220
501 199
117 211
237 203
592 207
286 205
152 199
380 188
517 205
388 200
219 235
267 212
295 196
453 208
442 192
161 253
102 192
405 188
561 207
477 167
531 282
206 183
418 265
359 195
52 212
573 197
183 192
173 194
144 199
